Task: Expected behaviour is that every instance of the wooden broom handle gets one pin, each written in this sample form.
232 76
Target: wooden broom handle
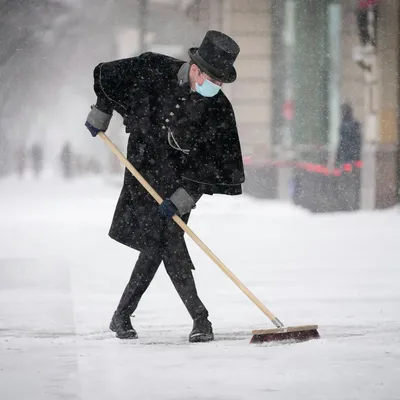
194 237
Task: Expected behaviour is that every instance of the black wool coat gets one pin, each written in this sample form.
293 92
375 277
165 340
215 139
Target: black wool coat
177 139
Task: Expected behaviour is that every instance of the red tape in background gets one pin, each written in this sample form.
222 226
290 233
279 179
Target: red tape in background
307 166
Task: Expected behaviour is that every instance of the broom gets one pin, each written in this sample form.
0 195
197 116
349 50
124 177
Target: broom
296 333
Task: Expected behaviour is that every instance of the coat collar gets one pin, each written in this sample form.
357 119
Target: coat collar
183 74
183 81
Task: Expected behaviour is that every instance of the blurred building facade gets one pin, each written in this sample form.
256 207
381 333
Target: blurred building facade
299 61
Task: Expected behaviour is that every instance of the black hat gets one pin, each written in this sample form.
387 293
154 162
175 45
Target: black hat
216 56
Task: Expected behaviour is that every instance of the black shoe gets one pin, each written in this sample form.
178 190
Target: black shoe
202 331
122 326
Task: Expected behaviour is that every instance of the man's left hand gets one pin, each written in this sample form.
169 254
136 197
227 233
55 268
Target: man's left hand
180 203
167 208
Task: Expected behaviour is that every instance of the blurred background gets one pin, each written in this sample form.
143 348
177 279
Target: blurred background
316 100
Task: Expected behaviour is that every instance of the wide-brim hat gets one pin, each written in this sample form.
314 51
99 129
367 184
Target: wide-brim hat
216 56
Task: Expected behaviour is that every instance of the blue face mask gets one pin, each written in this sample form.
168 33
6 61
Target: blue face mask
207 89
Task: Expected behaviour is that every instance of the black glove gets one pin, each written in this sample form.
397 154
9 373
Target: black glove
97 121
167 208
179 203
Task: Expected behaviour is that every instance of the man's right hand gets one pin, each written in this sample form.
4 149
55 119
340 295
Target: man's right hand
97 121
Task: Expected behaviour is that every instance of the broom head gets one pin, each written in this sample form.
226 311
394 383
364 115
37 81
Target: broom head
292 333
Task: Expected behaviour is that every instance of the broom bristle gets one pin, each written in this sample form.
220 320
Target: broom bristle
297 334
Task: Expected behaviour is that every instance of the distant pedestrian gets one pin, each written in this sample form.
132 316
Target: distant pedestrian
37 158
349 137
66 161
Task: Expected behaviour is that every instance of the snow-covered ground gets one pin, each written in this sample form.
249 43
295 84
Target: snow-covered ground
61 277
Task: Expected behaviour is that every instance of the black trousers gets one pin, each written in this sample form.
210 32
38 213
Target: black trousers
181 276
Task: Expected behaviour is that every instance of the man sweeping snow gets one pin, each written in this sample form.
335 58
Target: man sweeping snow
184 141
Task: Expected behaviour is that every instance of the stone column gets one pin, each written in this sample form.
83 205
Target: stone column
379 179
311 73
388 48
311 47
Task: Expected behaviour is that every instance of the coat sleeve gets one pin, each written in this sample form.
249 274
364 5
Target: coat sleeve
116 81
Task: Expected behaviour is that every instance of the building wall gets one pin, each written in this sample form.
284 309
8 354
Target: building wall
388 134
250 23
388 48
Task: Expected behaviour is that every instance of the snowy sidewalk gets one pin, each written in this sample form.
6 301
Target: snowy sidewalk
61 277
